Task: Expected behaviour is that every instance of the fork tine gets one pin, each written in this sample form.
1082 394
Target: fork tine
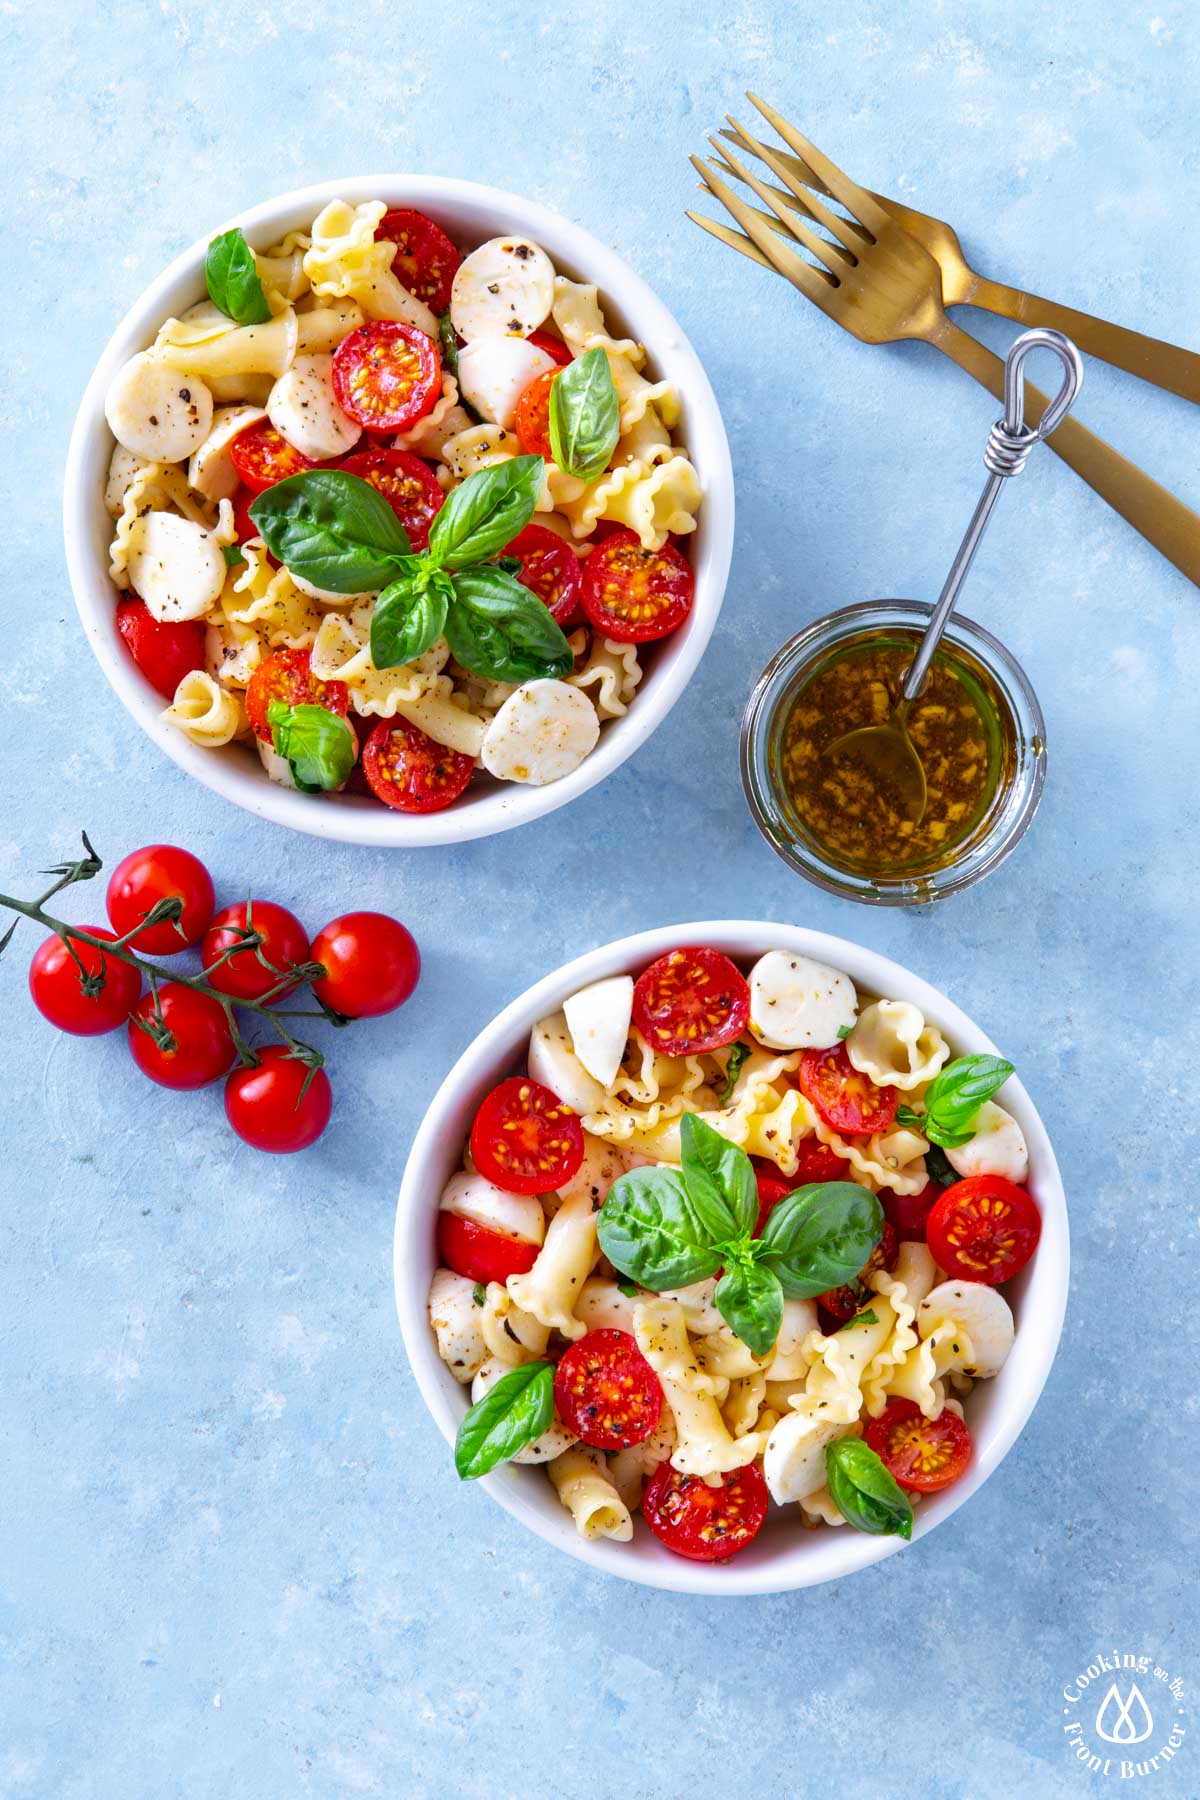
774 219
811 282
839 186
734 239
847 231
815 244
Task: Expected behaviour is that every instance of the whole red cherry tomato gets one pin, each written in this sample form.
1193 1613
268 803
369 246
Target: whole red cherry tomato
200 1045
372 964
270 1107
252 971
61 994
160 872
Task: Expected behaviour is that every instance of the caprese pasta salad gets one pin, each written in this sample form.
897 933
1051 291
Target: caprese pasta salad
394 513
732 1237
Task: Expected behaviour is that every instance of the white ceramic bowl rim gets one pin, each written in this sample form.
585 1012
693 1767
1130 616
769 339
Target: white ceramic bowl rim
466 206
1005 1402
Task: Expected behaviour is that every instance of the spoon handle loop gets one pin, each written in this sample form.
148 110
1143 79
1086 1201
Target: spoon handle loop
1008 445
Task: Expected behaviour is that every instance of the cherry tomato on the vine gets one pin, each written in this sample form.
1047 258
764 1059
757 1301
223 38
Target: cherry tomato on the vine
371 961
160 872
200 1047
58 992
249 973
270 1107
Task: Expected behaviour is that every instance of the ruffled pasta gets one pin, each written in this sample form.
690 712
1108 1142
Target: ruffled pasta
153 487
576 312
914 1276
552 1287
204 712
893 1159
893 1046
610 675
705 1445
347 262
583 1486
269 599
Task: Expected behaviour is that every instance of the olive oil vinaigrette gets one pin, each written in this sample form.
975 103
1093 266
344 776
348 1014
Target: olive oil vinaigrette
960 726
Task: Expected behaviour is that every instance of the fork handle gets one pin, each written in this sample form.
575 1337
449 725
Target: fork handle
1164 521
1165 365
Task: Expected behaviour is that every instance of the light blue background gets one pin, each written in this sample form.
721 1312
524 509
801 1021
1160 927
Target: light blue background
235 1561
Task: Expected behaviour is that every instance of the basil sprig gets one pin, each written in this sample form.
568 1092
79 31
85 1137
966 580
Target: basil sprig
231 276
338 532
319 745
513 1413
954 1097
585 416
666 1228
866 1495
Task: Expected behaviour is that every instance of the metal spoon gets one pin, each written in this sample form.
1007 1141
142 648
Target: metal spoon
886 751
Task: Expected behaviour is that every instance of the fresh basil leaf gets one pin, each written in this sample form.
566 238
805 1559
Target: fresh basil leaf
485 512
508 565
820 1237
865 1494
479 1294
870 1317
408 618
513 1413
844 1032
500 629
332 529
939 1168
448 339
733 1069
750 1300
954 1097
648 1229
628 1288
719 1179
231 276
318 745
232 554
585 416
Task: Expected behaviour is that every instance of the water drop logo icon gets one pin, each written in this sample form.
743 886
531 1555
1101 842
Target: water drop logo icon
1124 1721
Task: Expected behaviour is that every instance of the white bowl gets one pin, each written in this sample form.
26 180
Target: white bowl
470 213
784 1555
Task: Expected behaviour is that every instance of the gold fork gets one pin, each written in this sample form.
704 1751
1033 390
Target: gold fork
880 284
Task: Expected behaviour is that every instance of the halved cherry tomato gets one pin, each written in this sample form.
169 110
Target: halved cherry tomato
524 1138
983 1229
262 456
287 675
923 1455
553 346
707 1524
57 986
371 961
909 1213
480 1253
409 486
160 872
425 261
272 1108
387 375
201 1045
841 1303
815 1162
165 653
772 1188
691 1001
410 772
606 1392
531 421
845 1099
633 595
251 972
549 569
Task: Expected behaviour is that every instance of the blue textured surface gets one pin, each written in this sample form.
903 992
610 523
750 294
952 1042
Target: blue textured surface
235 1561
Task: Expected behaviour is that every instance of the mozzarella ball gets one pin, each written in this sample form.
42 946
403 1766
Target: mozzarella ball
156 412
505 288
303 408
541 733
494 372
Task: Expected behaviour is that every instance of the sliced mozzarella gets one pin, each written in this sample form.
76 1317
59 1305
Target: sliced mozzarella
553 1441
156 412
503 289
788 1362
553 1062
598 1018
494 372
303 408
980 1313
798 1004
454 1317
998 1147
277 767
211 471
475 1198
541 733
122 467
794 1459
175 566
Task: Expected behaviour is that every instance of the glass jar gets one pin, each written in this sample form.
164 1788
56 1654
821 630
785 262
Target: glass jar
812 650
